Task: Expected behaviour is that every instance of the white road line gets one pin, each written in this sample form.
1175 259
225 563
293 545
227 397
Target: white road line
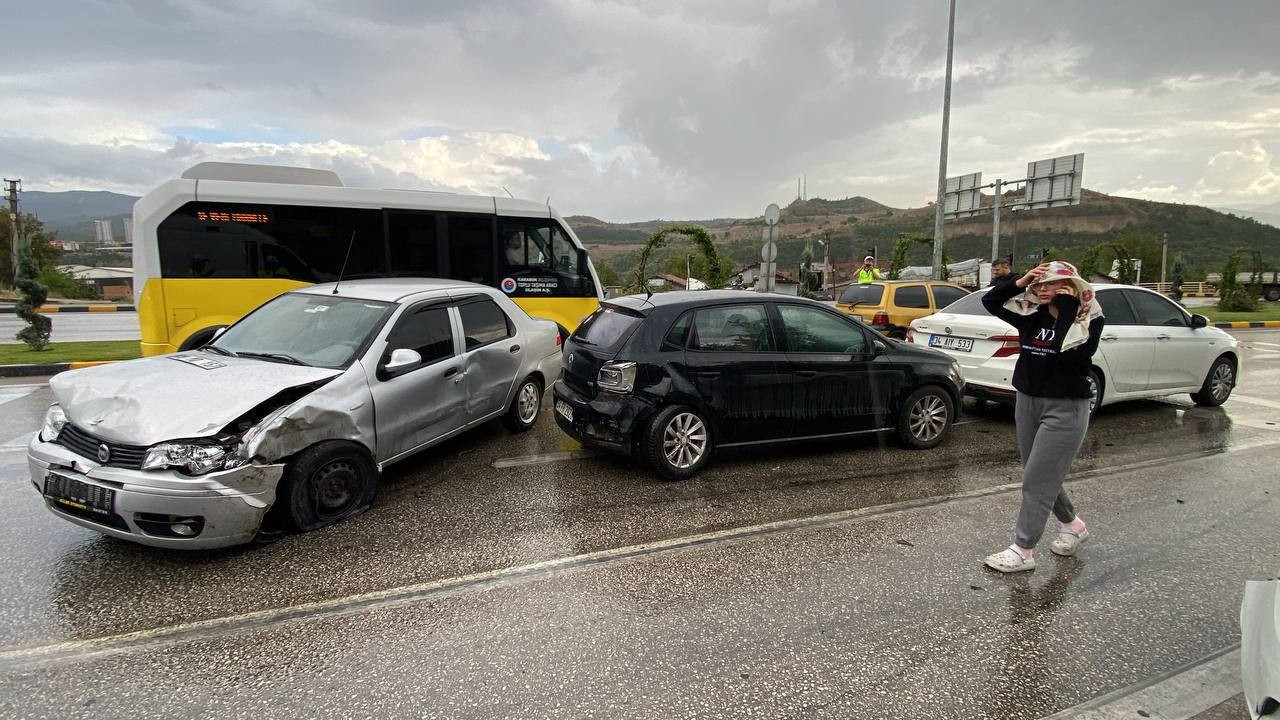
1267 344
1176 695
74 651
543 458
18 443
9 393
1256 401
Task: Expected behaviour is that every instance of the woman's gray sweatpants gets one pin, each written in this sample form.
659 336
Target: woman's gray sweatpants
1050 432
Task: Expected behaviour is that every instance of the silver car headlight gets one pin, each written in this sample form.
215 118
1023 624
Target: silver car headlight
193 458
54 419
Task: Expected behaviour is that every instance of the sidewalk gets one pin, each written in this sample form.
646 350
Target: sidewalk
50 309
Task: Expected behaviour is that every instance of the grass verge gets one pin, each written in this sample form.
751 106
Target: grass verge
1266 311
60 352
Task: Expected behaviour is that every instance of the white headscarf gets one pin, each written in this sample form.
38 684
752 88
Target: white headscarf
1028 304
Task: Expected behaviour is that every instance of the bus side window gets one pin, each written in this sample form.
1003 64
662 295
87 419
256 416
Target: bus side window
415 250
471 248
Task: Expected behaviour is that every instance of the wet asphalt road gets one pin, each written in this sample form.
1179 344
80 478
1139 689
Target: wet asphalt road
78 327
512 576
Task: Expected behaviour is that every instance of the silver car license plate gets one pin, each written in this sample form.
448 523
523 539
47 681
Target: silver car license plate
946 342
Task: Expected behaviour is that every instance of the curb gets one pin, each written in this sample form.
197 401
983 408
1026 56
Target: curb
49 369
50 309
1245 324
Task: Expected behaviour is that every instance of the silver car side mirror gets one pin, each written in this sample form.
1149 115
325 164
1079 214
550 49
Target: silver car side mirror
401 360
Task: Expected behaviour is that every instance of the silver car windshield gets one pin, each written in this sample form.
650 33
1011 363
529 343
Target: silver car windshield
305 329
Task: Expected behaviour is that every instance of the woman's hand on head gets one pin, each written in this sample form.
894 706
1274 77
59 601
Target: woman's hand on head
1068 289
1032 275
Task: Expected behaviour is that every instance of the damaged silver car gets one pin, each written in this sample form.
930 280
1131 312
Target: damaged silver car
289 416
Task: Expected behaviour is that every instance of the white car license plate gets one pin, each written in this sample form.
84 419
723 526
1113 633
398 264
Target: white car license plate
946 342
565 410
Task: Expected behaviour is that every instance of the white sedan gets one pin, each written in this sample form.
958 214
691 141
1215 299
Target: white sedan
1150 347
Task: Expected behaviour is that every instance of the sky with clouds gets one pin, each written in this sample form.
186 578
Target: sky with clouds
642 110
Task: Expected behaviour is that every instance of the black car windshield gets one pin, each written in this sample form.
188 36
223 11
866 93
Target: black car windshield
305 329
862 295
607 326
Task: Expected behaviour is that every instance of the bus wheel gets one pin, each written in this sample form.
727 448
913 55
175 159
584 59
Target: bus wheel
201 338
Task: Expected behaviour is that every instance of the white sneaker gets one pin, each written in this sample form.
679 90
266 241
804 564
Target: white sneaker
1010 560
1067 542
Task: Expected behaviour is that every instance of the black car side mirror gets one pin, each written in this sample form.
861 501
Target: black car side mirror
1199 321
878 348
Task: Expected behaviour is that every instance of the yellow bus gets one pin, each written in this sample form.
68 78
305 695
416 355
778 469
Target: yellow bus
225 237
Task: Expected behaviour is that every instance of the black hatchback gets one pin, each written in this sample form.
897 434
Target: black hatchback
670 377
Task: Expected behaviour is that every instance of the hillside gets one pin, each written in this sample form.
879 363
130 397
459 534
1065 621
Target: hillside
75 205
858 226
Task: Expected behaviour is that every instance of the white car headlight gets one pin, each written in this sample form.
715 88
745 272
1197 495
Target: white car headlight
54 419
193 458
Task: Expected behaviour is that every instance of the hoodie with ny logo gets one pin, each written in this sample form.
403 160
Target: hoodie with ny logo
1043 369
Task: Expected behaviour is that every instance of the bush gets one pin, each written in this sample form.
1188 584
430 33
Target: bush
1231 296
66 285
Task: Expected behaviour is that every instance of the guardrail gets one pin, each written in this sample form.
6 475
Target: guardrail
1189 289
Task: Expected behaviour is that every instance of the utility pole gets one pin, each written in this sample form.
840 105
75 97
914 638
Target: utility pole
827 276
995 220
942 156
11 191
1164 253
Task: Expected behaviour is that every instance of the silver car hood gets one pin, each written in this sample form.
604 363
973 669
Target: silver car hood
185 395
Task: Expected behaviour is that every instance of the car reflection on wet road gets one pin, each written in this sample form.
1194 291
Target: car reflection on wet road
526 577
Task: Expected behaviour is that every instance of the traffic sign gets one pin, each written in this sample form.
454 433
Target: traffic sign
769 252
771 214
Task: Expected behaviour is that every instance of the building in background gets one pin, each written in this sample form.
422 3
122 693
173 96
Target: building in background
102 232
128 231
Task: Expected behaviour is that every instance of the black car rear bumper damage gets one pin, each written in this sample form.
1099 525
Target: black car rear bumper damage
607 421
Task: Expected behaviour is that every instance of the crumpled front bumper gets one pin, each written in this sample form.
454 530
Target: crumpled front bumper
232 503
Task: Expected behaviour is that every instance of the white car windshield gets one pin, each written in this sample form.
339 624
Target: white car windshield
305 329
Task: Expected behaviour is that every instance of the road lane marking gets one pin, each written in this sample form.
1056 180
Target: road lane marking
76 651
18 443
9 393
1256 401
1179 694
522 460
1267 344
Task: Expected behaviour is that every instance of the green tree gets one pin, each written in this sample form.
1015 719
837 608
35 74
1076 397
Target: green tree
1087 261
43 250
1177 278
608 276
901 247
714 267
36 333
1126 269
1231 296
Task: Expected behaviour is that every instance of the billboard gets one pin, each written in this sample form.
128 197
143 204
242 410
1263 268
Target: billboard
962 196
1054 183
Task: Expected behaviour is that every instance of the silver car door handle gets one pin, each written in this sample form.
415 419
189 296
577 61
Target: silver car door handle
515 349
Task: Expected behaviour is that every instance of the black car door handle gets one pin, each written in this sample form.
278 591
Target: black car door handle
515 349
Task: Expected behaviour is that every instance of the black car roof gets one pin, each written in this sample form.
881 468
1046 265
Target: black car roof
692 298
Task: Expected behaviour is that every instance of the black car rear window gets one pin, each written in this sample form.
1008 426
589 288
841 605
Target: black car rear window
607 326
862 295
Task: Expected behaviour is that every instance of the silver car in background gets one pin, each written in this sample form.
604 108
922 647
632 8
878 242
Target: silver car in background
291 414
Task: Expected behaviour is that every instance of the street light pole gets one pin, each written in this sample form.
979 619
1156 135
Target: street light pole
942 156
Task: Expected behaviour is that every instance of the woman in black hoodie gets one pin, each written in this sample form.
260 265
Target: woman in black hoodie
1059 323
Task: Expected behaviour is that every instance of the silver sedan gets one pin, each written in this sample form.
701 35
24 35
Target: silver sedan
286 420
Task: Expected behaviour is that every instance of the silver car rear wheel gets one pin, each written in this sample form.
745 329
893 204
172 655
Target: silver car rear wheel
684 440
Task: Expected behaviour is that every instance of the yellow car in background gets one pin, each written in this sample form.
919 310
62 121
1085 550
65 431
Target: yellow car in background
890 305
